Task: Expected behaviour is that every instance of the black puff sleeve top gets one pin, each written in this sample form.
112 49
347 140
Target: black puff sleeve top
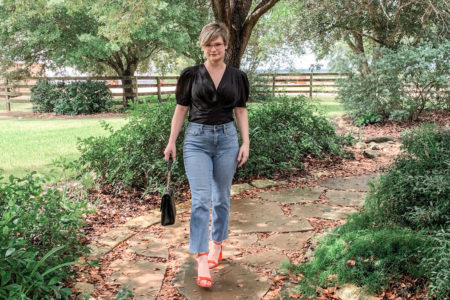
208 105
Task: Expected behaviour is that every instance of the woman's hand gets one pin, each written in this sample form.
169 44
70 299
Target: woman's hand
170 149
243 154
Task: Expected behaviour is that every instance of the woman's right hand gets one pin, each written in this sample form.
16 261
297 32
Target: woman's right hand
170 149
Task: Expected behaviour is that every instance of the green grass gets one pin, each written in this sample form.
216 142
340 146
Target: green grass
32 144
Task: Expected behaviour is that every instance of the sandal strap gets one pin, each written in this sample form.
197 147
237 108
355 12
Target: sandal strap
200 278
201 254
216 243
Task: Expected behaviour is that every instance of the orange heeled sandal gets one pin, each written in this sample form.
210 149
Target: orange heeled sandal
203 278
213 263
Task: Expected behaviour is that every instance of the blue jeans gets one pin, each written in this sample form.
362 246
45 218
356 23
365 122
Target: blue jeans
210 159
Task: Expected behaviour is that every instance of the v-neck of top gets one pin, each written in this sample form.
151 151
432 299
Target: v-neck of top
210 77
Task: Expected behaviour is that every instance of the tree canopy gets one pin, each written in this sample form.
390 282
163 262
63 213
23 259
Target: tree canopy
103 37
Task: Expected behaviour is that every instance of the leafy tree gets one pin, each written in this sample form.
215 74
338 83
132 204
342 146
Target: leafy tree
240 18
102 37
275 37
368 24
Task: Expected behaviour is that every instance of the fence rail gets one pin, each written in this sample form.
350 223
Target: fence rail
279 83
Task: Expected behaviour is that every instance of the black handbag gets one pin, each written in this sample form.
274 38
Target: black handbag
168 208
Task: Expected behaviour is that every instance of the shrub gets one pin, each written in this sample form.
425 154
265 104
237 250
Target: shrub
401 83
366 257
80 97
39 239
44 96
284 130
133 155
403 229
281 132
415 192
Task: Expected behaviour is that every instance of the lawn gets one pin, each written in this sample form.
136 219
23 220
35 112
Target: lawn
32 144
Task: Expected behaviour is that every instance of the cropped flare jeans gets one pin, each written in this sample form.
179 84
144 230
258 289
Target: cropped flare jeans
210 159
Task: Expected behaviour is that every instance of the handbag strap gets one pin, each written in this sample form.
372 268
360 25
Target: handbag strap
169 169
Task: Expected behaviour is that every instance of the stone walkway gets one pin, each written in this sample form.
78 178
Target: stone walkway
276 221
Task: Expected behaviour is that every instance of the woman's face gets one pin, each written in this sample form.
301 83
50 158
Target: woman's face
214 51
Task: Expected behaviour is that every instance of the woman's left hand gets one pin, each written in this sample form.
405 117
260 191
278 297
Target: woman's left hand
243 154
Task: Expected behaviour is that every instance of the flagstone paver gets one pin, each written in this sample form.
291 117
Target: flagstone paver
267 259
346 198
230 281
250 221
239 188
321 211
115 236
293 195
98 250
264 183
358 183
250 215
148 246
287 241
143 277
143 221
243 240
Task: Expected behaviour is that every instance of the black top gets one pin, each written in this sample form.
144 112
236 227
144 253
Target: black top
196 89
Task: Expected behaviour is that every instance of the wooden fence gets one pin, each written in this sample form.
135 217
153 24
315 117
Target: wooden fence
278 83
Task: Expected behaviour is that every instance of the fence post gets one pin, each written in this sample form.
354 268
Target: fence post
310 84
8 103
158 83
135 88
273 85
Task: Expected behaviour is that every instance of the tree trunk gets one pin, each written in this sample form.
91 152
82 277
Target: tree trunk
235 15
357 46
128 90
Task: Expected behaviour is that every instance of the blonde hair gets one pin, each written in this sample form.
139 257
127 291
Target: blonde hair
212 31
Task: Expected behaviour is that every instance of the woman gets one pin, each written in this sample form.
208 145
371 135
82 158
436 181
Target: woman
210 92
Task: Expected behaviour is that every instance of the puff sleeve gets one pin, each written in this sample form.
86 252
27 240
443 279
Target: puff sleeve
184 86
244 90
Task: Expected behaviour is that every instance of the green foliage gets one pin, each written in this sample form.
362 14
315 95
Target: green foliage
403 230
44 95
368 118
133 155
101 37
284 130
401 83
281 132
79 97
378 254
39 239
415 192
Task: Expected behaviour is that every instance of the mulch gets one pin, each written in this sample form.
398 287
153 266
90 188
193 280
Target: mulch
114 209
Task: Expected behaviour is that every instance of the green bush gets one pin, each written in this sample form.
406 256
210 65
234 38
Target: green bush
39 239
281 132
80 97
378 255
44 96
404 227
133 155
401 83
415 192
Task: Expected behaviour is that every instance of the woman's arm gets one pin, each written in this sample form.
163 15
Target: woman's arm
177 123
242 122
